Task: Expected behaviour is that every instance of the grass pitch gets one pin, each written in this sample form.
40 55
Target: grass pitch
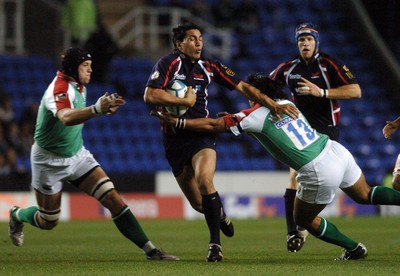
258 248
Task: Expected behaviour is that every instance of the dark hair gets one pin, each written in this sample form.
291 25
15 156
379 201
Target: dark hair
71 59
267 86
179 33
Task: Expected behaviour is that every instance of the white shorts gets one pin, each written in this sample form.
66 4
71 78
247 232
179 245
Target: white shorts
50 171
334 168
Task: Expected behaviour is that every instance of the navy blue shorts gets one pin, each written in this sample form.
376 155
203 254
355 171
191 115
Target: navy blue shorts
180 148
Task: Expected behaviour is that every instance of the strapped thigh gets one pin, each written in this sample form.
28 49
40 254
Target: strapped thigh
101 188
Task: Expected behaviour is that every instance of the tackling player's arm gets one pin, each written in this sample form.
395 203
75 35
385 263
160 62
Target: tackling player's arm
199 124
253 94
157 96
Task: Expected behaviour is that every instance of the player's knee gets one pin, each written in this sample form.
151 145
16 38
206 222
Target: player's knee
101 190
47 220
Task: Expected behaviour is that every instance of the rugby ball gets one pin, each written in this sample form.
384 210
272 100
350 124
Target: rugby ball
178 89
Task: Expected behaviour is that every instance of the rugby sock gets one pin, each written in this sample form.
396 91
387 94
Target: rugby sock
128 225
289 196
328 232
212 213
26 215
381 195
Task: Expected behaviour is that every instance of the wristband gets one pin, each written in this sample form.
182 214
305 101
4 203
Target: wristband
94 110
180 123
326 93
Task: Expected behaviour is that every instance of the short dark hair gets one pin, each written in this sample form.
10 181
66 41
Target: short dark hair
271 88
179 33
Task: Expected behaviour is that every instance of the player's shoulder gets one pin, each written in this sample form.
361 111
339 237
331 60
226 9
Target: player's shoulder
289 62
206 61
168 58
324 57
283 66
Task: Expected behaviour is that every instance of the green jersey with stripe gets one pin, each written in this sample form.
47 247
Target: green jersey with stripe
293 142
50 133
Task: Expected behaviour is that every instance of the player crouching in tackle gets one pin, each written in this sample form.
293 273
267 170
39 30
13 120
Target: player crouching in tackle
323 165
59 157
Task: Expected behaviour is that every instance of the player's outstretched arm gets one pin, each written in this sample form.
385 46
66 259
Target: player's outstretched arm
105 105
200 124
255 95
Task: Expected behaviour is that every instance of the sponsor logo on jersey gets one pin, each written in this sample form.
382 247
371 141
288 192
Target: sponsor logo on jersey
283 122
198 76
315 75
295 77
347 72
228 71
155 75
180 77
61 96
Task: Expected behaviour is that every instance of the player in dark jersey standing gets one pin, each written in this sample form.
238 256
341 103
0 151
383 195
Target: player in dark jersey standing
317 81
191 155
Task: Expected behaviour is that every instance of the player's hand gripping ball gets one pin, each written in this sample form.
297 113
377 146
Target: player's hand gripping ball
178 89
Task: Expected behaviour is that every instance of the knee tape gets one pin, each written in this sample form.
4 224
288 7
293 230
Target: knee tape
101 188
